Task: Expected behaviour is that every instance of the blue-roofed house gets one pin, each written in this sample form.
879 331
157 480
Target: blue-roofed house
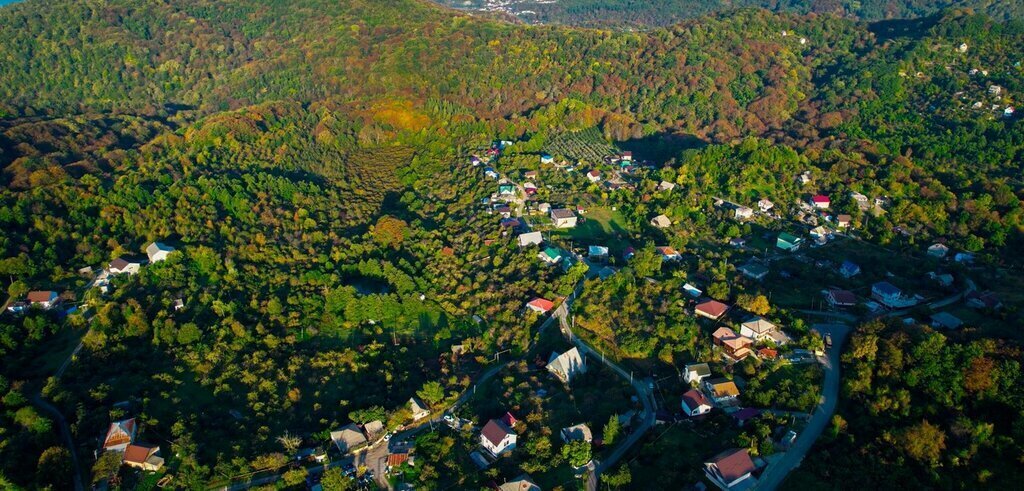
849 269
546 159
597 253
490 172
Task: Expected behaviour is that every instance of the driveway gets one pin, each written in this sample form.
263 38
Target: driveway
777 471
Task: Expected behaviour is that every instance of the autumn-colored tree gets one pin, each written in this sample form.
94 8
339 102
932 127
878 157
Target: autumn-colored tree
757 304
923 441
389 231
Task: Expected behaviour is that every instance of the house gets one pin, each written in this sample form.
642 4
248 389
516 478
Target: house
661 221
666 186
840 298
889 295
179 304
544 207
820 201
594 175
938 250
743 212
964 258
843 221
530 188
418 409
627 156
550 255
120 435
736 347
804 178
143 457
502 209
721 390
540 305
944 279
530 174
510 222
580 432
820 234
745 414
1008 112
530 238
668 253
42 298
946 320
757 328
695 372
984 300
731 469
563 218
375 428
995 90
788 242
779 337
158 251
348 438
606 272
628 253
597 253
506 189
546 159
490 172
497 437
521 483
567 365
124 265
849 269
765 205
692 291
712 309
754 270
861 200
737 242
397 459
768 353
695 403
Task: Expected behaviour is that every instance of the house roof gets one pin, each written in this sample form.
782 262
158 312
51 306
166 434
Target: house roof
155 247
733 464
349 435
667 251
723 387
737 343
849 266
552 253
521 483
843 297
542 304
723 333
566 363
120 433
885 288
746 413
713 308
790 238
759 325
700 368
577 432
397 459
374 427
41 296
661 221
495 431
531 238
820 198
767 353
754 268
695 398
595 250
844 218
947 320
137 454
562 213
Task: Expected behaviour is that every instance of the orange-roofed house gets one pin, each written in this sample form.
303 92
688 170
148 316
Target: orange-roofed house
120 435
540 305
143 457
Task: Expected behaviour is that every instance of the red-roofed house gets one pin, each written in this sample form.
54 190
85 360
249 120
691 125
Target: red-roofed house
540 305
497 438
44 299
737 347
143 457
712 309
695 403
731 469
120 435
820 201
840 298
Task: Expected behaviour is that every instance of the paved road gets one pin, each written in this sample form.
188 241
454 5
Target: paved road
777 471
65 433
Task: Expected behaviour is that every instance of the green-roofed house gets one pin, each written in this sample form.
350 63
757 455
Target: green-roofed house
754 270
505 189
788 242
550 255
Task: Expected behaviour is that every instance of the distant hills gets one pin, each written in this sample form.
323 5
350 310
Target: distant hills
664 12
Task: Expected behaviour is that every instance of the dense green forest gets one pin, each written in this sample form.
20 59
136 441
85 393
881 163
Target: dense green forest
615 13
310 162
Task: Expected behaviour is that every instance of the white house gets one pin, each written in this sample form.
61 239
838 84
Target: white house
594 175
418 409
743 212
563 218
695 372
890 296
158 252
765 204
731 469
120 435
757 328
497 438
661 221
145 457
567 365
938 250
44 299
123 265
695 403
530 238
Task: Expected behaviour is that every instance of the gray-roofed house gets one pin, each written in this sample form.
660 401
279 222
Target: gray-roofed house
580 432
418 409
563 218
348 438
158 251
695 372
567 365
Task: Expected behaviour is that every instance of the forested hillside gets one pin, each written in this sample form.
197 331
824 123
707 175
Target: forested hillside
310 160
616 13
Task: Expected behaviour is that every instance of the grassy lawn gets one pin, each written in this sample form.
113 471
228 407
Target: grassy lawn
51 355
601 226
672 456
